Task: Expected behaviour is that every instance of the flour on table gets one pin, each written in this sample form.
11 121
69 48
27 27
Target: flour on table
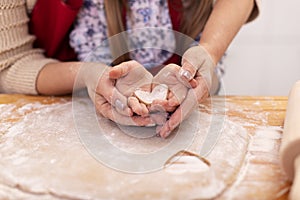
42 157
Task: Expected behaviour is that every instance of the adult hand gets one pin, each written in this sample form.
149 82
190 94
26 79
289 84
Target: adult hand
197 60
129 77
198 66
193 98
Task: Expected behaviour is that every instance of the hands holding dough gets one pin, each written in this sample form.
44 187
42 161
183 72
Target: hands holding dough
170 96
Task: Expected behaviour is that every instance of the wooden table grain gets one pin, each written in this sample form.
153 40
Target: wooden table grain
255 111
269 182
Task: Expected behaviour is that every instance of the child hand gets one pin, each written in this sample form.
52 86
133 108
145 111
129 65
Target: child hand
108 100
129 77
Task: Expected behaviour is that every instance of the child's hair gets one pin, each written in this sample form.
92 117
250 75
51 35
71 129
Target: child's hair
195 13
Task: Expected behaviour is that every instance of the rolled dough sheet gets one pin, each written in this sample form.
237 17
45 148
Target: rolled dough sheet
42 157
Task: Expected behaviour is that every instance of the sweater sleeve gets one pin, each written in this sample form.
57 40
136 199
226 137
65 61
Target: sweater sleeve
20 63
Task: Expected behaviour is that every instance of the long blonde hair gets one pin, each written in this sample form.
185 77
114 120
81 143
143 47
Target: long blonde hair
195 13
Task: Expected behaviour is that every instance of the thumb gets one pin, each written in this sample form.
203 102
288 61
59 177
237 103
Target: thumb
195 59
192 59
118 71
188 70
187 73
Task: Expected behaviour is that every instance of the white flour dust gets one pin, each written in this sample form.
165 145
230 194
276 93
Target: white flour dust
43 158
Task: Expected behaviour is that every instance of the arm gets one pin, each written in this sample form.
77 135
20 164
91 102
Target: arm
225 21
198 62
20 64
26 70
58 78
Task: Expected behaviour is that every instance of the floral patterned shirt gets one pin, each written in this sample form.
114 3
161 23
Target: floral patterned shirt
149 28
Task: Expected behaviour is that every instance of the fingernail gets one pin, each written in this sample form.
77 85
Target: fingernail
185 73
119 104
150 125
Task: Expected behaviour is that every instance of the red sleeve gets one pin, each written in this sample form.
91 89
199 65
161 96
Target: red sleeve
175 10
51 22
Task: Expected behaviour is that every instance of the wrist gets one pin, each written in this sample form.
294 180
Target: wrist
213 53
90 72
198 56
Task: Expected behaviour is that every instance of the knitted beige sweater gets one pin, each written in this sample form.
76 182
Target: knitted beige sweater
19 62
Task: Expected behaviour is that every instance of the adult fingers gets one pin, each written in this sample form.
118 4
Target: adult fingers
159 117
180 114
188 71
192 61
173 101
202 90
183 111
161 106
186 75
177 94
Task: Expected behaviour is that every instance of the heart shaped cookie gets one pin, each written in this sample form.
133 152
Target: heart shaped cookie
160 92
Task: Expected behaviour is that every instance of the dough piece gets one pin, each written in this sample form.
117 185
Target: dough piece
160 92
42 155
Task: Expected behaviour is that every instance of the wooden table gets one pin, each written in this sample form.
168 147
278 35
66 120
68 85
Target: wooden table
255 112
262 111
